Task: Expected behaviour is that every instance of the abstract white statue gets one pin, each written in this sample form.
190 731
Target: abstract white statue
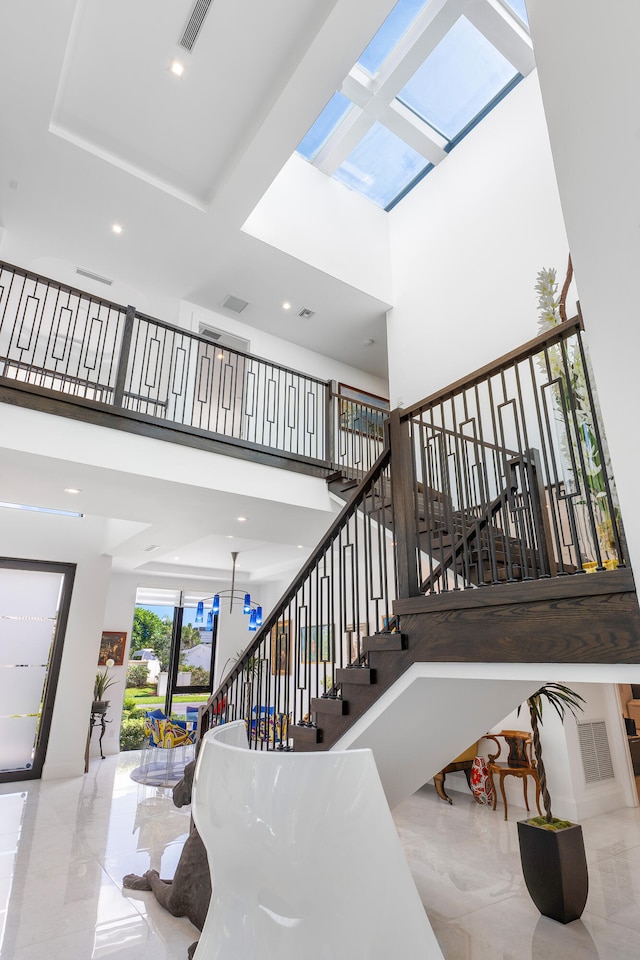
305 858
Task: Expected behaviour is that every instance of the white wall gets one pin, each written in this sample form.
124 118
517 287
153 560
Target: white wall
281 351
312 217
466 248
571 796
587 57
118 616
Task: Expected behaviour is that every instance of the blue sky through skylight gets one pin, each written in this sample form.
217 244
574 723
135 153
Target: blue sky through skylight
457 81
391 31
464 76
324 126
381 166
518 7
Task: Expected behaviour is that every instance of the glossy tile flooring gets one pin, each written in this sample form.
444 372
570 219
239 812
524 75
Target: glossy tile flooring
466 864
65 846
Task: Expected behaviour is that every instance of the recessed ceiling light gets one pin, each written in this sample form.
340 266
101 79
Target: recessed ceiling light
241 519
286 305
116 228
229 536
72 490
176 558
219 356
300 547
177 68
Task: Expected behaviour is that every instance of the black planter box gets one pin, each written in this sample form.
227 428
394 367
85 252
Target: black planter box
555 869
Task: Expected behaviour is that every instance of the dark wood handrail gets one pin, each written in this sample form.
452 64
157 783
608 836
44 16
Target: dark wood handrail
528 349
349 508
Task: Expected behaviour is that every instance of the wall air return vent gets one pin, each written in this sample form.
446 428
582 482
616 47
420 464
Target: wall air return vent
235 304
194 24
223 339
93 276
209 333
306 314
594 748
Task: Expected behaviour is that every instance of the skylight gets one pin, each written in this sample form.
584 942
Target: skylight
390 33
427 77
519 8
457 81
381 166
333 114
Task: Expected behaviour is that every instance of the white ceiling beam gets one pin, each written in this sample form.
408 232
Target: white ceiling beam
415 132
420 40
345 139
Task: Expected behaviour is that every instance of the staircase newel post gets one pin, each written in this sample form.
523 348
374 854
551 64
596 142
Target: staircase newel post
404 513
123 359
329 423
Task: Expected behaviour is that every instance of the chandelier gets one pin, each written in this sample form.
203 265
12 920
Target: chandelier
253 610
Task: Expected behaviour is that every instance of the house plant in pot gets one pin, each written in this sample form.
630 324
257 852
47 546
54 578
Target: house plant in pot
552 850
102 683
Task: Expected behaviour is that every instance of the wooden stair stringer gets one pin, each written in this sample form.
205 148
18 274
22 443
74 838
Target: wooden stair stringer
575 619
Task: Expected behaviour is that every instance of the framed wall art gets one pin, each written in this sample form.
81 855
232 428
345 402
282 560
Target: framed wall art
281 648
112 648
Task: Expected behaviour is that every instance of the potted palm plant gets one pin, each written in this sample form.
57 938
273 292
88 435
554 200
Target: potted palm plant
102 683
552 850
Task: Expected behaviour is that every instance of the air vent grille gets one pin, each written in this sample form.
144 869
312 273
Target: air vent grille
209 333
93 276
594 748
235 304
194 24
306 314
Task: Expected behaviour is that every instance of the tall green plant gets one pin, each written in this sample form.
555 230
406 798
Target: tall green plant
561 699
588 459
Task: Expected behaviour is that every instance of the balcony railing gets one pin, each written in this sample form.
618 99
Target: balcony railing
501 478
63 340
510 473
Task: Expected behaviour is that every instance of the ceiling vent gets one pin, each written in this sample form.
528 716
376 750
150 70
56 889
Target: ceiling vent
93 276
194 24
152 546
235 304
306 314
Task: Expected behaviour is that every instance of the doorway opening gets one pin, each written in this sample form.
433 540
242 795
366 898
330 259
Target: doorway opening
34 608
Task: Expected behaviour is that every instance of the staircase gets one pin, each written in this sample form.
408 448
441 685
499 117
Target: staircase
464 544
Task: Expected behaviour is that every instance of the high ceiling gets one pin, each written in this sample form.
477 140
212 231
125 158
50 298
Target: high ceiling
96 130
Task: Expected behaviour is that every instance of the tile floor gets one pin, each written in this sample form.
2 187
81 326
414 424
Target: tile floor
65 846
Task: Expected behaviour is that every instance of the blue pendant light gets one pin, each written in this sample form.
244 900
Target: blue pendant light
252 621
200 612
259 616
215 606
247 603
210 621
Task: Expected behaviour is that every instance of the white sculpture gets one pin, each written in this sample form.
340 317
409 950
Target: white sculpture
305 858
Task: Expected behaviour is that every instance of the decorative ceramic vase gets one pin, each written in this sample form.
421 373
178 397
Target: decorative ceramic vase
480 782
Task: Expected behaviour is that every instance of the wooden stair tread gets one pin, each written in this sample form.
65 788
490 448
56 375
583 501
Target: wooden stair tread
359 675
